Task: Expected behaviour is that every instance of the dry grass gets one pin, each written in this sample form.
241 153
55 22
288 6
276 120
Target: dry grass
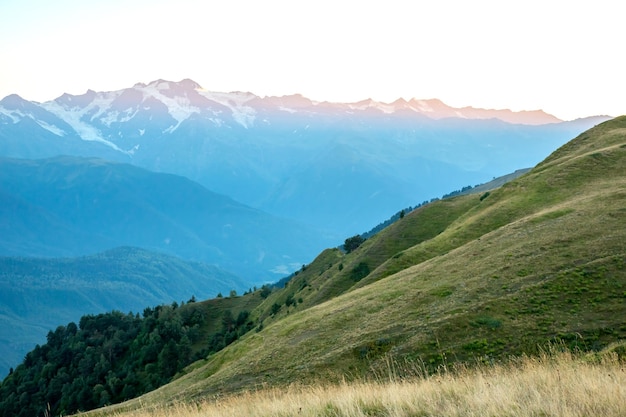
551 385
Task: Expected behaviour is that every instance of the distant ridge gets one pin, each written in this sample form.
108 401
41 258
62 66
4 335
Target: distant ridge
69 206
245 105
436 109
284 155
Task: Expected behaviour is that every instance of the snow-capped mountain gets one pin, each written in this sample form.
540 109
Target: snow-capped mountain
339 166
164 104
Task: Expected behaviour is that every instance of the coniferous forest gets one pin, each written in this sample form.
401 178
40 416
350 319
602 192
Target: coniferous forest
108 358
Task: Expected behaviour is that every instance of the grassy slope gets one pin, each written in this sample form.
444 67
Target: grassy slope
214 309
548 385
540 258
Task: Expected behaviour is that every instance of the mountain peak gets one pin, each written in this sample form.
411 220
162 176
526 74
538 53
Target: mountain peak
189 84
163 85
401 102
70 100
13 101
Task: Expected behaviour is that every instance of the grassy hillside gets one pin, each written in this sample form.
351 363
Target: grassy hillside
476 277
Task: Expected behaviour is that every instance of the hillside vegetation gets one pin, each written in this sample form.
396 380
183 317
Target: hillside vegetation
111 357
475 278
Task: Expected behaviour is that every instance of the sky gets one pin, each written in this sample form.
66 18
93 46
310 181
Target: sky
565 57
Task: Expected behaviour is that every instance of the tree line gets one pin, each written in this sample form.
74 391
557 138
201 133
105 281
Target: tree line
112 357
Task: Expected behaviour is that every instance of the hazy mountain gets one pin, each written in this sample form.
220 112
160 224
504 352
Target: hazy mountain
339 166
69 206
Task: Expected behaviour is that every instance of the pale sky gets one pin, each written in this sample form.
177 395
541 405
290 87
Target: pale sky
565 57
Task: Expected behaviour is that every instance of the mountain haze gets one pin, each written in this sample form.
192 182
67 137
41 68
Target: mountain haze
72 208
285 154
69 206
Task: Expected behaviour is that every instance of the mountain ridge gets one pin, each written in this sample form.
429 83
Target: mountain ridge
91 205
432 108
260 151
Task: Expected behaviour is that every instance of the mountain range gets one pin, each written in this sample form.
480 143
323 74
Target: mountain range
338 167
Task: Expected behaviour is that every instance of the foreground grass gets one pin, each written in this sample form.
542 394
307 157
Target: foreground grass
550 385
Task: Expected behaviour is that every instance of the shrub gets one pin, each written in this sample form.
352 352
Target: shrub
352 243
360 271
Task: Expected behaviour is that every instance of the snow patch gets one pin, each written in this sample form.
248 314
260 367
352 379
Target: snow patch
287 109
171 129
217 122
73 118
108 119
10 114
179 108
460 115
115 116
51 128
236 102
371 104
16 116
422 106
133 150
